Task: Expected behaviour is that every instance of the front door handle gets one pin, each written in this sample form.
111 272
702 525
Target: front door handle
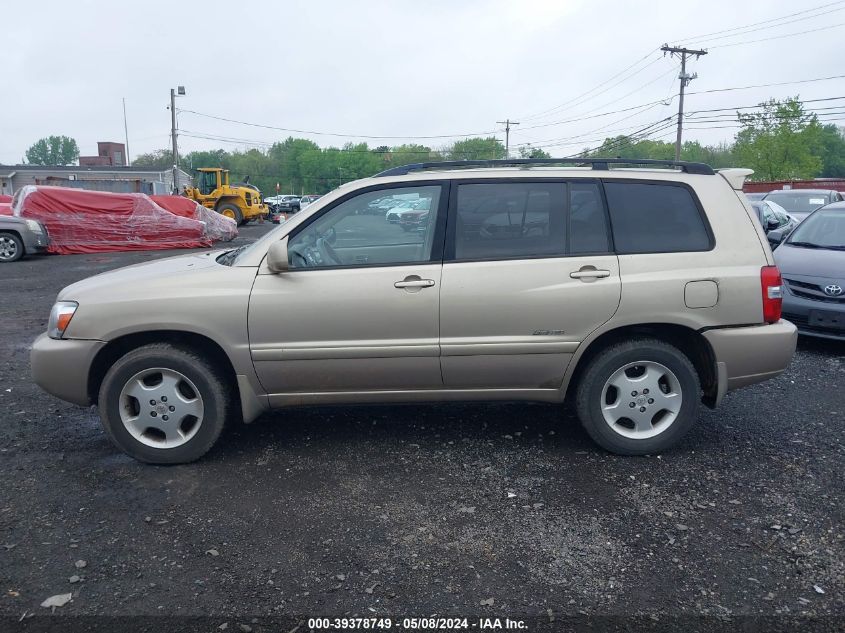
414 283
589 273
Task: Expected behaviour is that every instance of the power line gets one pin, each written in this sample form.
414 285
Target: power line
780 37
696 38
369 136
600 85
763 28
780 83
572 103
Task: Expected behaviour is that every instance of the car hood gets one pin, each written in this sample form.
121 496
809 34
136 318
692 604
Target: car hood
186 293
809 262
143 273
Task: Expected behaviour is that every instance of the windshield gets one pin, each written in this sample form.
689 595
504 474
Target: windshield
798 201
825 229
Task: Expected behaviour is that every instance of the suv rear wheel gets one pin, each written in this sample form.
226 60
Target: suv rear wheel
163 404
638 397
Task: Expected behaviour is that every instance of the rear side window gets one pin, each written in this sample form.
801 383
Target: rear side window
655 218
507 220
587 220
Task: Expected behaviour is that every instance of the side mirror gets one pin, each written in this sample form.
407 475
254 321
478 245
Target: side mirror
775 237
772 224
277 256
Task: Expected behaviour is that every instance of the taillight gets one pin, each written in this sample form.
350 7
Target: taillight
772 286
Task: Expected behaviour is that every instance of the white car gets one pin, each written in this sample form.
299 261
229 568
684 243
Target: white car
394 213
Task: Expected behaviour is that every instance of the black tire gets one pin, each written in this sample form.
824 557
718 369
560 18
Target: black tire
210 383
589 395
233 208
13 248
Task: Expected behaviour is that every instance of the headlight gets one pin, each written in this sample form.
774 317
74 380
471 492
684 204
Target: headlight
60 317
34 226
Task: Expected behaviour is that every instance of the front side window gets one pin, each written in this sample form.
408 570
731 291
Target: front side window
356 233
655 218
508 220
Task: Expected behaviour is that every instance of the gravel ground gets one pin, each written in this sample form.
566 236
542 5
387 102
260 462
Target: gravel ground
504 510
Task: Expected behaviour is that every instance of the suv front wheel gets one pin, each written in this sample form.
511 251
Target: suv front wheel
638 397
163 404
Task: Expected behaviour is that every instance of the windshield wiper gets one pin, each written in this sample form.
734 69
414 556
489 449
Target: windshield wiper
228 258
805 244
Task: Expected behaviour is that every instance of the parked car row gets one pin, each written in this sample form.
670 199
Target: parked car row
802 202
287 204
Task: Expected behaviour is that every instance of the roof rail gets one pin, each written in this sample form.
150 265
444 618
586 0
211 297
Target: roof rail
595 163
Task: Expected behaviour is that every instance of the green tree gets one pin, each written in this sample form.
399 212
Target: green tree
53 150
778 142
160 159
476 149
831 150
526 151
407 154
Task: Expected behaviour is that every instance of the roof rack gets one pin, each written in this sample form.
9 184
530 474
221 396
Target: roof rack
596 163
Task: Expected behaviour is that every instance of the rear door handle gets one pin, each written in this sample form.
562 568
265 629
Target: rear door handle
414 283
589 273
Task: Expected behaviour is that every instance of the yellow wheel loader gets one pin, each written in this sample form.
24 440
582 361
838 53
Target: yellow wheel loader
241 201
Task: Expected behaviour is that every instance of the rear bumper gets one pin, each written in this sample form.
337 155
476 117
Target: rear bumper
61 367
746 355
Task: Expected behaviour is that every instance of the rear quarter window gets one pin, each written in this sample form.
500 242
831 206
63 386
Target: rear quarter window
655 218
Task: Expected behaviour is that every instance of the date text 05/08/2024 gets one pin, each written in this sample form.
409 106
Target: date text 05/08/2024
426 623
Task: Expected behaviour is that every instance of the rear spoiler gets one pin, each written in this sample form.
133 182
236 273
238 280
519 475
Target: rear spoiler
735 176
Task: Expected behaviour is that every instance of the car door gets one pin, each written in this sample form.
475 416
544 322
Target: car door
529 273
358 309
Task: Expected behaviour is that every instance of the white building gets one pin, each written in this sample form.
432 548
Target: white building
96 178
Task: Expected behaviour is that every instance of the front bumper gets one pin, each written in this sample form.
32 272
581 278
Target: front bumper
746 355
35 242
798 309
61 367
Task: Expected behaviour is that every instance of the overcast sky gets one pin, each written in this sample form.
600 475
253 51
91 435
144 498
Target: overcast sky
395 68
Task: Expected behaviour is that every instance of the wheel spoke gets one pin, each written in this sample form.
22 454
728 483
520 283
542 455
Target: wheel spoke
138 390
667 401
190 407
642 422
614 412
169 385
135 424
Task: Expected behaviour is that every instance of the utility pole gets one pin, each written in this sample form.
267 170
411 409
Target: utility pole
685 80
126 134
507 123
173 92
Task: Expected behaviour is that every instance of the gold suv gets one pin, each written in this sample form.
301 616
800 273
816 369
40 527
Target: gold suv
639 291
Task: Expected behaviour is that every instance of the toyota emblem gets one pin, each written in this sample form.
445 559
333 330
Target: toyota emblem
833 290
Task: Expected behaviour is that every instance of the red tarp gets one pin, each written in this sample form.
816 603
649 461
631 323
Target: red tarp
80 221
5 209
218 227
4 199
